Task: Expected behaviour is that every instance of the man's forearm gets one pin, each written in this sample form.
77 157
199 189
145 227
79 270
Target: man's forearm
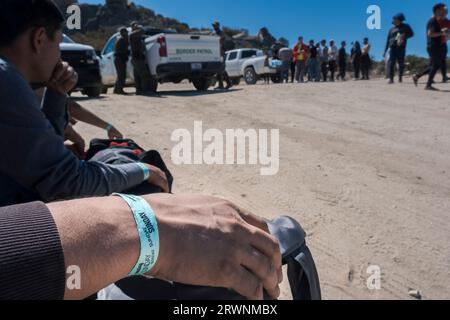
99 236
54 105
227 247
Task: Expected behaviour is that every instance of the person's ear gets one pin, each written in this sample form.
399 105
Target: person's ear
38 39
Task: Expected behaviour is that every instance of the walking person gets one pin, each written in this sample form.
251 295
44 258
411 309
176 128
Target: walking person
445 24
397 42
356 59
324 60
332 57
387 62
365 59
437 42
312 62
342 61
301 52
121 56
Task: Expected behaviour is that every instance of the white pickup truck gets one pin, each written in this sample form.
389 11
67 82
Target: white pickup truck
234 60
250 64
171 57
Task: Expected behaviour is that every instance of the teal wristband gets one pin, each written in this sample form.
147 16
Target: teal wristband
109 127
145 170
147 227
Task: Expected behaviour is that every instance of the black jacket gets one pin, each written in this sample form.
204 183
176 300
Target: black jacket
403 29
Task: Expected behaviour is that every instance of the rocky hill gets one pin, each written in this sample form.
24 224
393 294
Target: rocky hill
99 22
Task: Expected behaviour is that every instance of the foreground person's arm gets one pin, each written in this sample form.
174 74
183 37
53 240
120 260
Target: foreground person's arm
84 115
203 241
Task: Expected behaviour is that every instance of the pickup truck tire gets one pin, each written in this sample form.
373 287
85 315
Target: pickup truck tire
94 92
250 76
276 78
202 84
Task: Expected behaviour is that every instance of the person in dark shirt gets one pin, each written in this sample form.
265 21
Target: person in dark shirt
319 64
312 62
397 42
121 55
141 71
356 59
222 75
436 44
323 53
35 163
434 48
342 61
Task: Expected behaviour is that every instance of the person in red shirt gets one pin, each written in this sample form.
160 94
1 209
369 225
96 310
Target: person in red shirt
301 55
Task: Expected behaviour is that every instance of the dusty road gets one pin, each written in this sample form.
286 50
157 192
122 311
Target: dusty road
364 166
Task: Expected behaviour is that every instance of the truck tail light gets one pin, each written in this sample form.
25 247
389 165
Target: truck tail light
162 46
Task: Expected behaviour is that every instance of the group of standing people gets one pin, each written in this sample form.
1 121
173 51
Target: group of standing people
320 62
132 44
323 61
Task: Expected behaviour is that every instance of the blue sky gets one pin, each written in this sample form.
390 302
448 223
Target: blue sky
336 19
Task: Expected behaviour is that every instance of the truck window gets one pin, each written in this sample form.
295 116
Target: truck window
110 45
248 54
232 55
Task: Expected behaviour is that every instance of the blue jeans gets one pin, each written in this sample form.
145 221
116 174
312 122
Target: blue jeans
312 69
397 56
285 67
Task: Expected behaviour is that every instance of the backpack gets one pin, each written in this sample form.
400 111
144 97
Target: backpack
124 151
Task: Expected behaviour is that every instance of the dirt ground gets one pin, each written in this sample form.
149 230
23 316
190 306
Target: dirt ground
364 166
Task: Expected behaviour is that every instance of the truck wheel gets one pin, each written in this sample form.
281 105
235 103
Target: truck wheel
250 76
276 78
202 84
236 81
94 92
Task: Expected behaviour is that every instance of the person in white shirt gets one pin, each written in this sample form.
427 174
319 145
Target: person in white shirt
332 57
365 59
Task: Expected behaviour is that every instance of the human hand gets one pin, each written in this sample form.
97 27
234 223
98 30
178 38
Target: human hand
114 134
158 178
208 241
64 78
